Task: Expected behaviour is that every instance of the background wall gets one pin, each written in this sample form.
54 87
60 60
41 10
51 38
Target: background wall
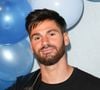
85 40
85 43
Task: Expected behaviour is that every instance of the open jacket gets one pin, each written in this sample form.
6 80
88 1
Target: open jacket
28 82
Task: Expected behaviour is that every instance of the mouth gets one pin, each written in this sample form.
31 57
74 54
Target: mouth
47 50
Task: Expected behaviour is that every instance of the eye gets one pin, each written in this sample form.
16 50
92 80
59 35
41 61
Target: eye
36 37
52 33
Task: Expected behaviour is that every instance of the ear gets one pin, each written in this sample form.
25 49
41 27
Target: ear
66 39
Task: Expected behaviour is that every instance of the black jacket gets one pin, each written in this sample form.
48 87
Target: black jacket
27 82
79 80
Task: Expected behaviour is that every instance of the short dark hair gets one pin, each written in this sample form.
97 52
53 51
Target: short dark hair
39 15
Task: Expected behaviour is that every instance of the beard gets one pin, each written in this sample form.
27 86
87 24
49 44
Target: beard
51 58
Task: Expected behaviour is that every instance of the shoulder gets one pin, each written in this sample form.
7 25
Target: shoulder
28 77
85 75
87 80
24 81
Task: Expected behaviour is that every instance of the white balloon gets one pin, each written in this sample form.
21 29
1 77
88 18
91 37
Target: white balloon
71 10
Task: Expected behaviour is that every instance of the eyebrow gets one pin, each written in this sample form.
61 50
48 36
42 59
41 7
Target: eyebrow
50 30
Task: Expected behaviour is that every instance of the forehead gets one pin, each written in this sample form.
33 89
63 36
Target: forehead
45 25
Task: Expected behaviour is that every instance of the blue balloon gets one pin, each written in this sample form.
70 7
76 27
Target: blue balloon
15 60
5 84
12 22
25 5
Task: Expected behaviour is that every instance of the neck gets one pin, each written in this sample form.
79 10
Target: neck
56 73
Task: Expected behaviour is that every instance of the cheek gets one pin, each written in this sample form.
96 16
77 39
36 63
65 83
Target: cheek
58 42
35 47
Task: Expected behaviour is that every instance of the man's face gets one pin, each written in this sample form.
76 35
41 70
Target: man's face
48 43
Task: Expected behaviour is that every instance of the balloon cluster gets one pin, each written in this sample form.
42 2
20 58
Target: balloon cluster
15 53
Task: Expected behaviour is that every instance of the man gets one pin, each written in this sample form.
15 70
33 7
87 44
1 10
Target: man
49 39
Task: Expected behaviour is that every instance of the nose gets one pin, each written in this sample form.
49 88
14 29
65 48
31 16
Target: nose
45 40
